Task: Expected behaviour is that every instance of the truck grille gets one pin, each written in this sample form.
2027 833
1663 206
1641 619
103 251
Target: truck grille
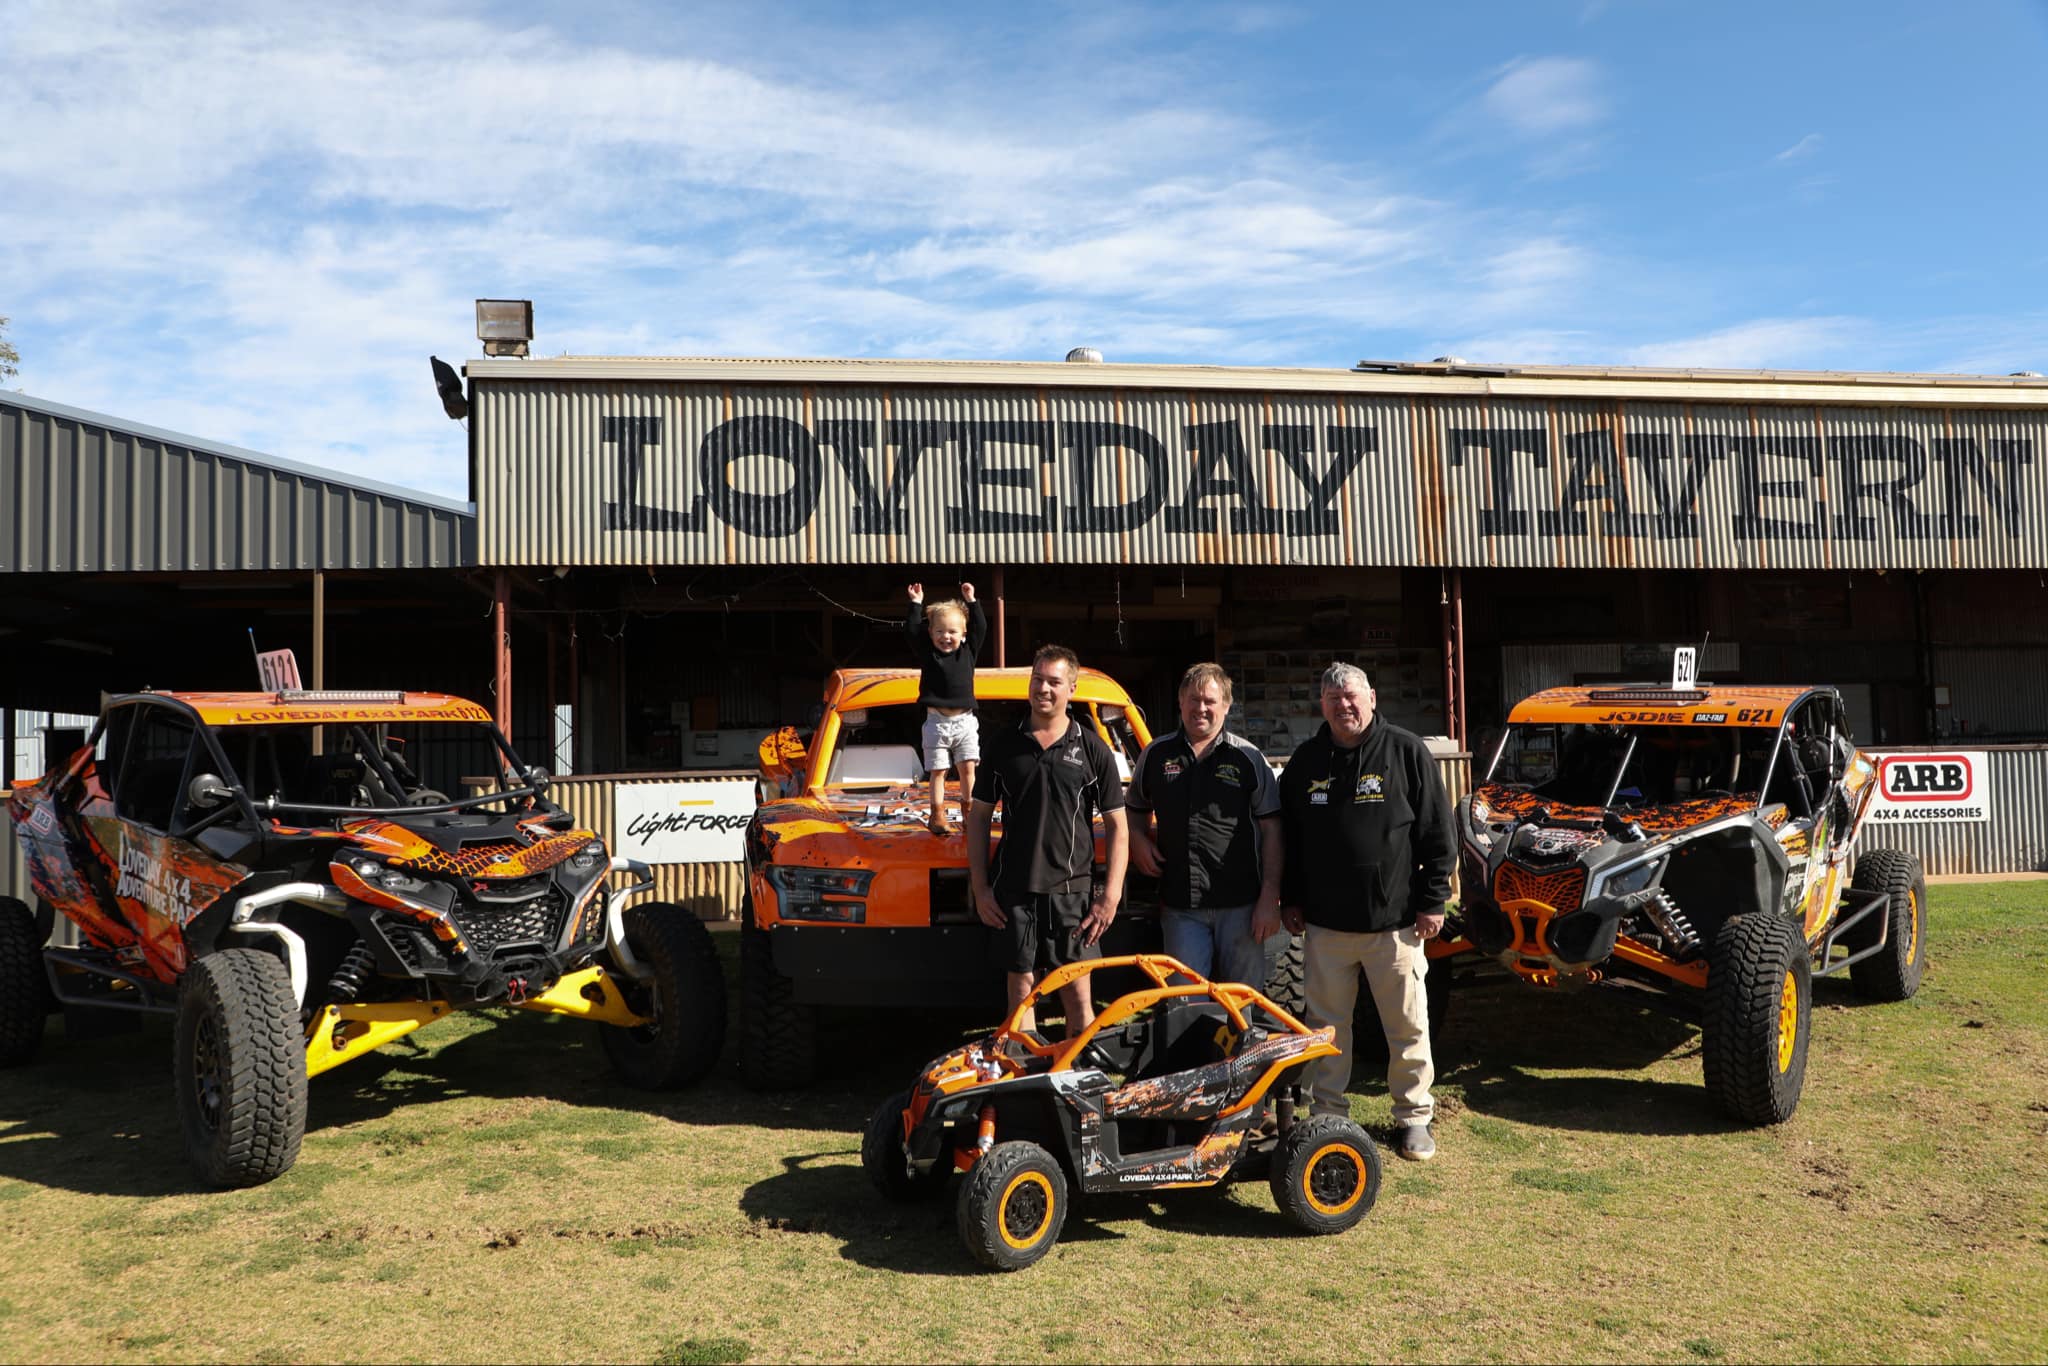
486 929
1560 891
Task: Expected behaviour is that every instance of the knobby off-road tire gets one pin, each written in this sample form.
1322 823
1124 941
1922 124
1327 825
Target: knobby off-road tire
778 1035
1894 974
1287 978
1757 1019
881 1155
1369 1039
686 999
1012 1206
23 1004
239 1068
1326 1176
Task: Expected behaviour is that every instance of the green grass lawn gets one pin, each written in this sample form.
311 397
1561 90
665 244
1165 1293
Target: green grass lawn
485 1192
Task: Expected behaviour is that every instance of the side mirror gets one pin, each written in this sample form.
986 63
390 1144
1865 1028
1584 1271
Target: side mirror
207 790
538 779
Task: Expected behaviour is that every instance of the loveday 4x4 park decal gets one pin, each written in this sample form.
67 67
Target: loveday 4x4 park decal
1935 788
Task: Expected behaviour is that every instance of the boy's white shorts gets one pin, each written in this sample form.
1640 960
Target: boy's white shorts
950 741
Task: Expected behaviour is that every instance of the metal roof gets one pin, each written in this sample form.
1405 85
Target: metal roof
1422 378
87 492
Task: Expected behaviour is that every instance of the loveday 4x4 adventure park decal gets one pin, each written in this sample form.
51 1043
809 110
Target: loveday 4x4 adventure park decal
1935 788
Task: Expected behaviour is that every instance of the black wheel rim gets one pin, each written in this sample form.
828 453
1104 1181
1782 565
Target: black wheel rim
209 1070
1026 1210
1334 1179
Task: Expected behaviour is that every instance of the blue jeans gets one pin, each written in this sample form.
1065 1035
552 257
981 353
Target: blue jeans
1219 944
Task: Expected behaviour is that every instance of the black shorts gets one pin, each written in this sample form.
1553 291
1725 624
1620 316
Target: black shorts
1044 932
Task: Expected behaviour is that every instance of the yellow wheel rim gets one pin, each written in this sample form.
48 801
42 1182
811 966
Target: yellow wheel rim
1788 1022
1333 1180
1912 925
1025 1211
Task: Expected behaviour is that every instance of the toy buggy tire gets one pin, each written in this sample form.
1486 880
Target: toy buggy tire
1326 1176
881 1155
778 1036
1757 1018
23 984
1894 974
686 999
1012 1206
239 1068
1287 979
1369 1040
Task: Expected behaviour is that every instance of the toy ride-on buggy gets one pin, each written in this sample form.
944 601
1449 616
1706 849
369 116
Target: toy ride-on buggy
1164 1090
286 875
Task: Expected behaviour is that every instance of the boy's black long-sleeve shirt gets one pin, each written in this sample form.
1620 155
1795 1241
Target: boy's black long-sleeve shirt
1369 839
945 679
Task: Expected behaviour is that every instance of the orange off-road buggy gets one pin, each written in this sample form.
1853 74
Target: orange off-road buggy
1699 843
1164 1090
273 870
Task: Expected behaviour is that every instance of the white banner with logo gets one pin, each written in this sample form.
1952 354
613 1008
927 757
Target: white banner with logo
1935 788
701 822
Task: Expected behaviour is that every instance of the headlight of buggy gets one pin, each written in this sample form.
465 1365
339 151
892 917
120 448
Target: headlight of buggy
836 894
1631 879
588 859
384 877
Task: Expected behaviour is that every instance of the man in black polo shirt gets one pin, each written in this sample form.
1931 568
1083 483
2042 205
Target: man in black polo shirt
1050 774
1217 851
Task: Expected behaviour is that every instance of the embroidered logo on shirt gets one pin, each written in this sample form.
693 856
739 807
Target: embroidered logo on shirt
1073 756
1371 788
1319 791
1229 775
1171 768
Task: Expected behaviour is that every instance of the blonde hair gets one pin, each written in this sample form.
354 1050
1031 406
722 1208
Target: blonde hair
953 605
1199 674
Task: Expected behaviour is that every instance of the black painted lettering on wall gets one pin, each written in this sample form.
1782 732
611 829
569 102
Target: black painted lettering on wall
761 514
881 495
632 436
1092 448
1879 470
1764 501
1592 474
1296 445
1673 481
1222 467
1502 516
1995 473
980 472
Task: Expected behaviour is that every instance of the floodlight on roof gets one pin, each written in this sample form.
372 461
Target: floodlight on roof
504 326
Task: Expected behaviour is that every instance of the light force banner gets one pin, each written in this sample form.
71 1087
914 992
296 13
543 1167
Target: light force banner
685 822
1934 789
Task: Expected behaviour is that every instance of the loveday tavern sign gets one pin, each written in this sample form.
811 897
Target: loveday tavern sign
1357 482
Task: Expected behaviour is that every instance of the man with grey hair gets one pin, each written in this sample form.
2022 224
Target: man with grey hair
1369 854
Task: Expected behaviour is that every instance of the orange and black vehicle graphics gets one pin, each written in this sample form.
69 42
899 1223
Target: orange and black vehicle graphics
220 854
851 899
1183 1083
1660 836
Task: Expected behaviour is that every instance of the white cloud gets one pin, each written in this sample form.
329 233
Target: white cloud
1801 150
1763 344
1546 96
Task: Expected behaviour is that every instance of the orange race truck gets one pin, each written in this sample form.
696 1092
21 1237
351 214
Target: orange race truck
851 900
272 870
1699 842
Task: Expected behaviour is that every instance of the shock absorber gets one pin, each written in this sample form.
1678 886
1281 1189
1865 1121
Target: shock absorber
1678 931
348 979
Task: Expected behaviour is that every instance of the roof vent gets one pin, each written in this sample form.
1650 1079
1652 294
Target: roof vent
1448 360
2024 374
1085 355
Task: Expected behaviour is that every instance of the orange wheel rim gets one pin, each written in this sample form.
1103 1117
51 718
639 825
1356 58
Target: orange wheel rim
1788 1022
1912 925
1333 1180
1025 1211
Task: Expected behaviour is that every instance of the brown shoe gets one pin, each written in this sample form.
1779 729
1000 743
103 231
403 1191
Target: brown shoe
939 825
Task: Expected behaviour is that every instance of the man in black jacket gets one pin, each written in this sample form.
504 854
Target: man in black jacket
1369 855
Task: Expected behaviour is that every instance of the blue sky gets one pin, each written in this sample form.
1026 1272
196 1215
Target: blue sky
254 224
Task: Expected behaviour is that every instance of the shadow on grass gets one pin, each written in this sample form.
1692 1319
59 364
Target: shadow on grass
836 1200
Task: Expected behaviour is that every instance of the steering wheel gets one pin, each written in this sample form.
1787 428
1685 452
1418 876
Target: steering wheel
426 796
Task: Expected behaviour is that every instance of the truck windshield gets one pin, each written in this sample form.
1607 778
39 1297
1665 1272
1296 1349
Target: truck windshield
1632 766
369 766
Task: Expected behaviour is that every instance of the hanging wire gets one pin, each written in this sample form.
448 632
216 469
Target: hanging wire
1120 609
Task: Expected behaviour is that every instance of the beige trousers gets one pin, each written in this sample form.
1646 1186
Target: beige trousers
1394 964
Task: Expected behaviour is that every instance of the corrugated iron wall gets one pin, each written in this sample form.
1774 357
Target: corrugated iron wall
712 891
2014 840
80 492
1993 690
690 472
